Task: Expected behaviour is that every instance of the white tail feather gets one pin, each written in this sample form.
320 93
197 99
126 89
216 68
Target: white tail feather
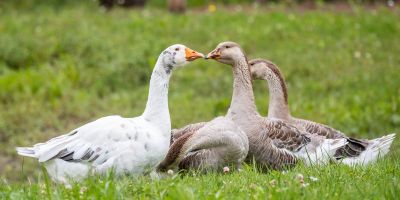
26 151
377 148
323 152
45 151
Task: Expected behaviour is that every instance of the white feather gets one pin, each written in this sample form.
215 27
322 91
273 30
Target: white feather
117 150
377 148
321 152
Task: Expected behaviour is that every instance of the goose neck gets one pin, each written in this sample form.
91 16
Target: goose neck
278 98
156 110
278 106
243 97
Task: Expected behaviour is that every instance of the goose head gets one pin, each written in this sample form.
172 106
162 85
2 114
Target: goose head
226 52
178 55
263 69
266 70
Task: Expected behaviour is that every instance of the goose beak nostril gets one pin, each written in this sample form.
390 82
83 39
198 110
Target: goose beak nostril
216 54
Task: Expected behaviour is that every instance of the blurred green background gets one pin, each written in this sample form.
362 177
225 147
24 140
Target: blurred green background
65 63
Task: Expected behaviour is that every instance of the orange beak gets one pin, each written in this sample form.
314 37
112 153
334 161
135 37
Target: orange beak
215 54
192 54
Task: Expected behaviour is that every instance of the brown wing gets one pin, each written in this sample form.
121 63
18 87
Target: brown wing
319 129
176 133
285 136
203 154
194 160
198 160
267 154
173 153
275 143
353 148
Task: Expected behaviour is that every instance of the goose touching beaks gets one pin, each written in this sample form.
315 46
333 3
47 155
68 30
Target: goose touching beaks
206 146
272 142
355 152
126 145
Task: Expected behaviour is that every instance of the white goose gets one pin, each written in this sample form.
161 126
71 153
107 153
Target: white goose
127 145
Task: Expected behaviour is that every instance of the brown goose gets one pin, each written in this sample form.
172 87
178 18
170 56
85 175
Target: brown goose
355 152
207 146
272 142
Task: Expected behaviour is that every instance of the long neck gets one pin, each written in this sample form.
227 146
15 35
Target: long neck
243 97
157 103
278 103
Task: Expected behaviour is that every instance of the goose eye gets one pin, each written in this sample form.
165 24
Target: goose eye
177 49
251 64
227 47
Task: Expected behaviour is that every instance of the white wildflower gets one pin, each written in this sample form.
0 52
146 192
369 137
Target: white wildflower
300 177
312 178
357 54
305 184
226 169
82 190
272 182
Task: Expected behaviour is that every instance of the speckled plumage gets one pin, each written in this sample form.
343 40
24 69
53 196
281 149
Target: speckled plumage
206 146
273 143
355 152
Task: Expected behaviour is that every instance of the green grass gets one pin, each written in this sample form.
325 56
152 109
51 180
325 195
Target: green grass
378 181
61 67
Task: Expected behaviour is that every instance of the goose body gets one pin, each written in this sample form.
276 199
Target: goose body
273 143
355 152
207 146
127 145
